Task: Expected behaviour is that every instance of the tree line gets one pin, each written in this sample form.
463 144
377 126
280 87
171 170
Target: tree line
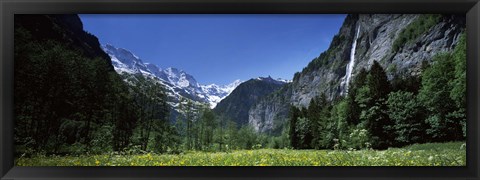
380 113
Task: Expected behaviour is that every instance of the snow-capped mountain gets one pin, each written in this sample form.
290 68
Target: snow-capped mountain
217 93
275 81
125 61
177 81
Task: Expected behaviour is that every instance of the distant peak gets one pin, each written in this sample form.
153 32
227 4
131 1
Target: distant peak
270 79
265 78
109 46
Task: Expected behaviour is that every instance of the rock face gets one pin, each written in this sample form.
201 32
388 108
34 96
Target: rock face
235 106
264 114
375 35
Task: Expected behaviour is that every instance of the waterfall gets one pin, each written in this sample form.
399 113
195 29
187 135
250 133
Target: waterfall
348 74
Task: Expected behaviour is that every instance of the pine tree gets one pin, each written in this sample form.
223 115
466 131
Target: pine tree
371 99
294 115
353 115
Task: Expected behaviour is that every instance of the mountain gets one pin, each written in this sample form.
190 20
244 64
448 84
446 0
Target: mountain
66 29
236 105
401 43
125 61
177 82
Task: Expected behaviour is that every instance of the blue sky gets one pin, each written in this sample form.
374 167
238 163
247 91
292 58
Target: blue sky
220 48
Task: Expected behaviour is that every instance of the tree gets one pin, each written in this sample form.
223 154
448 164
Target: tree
435 97
319 113
231 135
303 130
153 110
294 115
408 117
342 125
371 99
122 113
459 84
185 121
378 82
353 114
247 138
208 125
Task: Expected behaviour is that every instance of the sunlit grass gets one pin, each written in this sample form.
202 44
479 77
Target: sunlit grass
432 154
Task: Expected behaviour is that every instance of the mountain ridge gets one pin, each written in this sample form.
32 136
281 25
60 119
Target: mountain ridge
176 80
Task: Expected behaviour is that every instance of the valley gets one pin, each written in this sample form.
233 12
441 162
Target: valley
390 90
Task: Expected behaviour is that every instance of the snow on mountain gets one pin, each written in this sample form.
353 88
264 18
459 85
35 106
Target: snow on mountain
217 93
177 82
276 81
180 78
283 80
125 61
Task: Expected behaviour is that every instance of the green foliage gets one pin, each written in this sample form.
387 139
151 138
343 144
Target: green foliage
406 83
435 96
102 139
166 139
358 139
371 99
418 27
459 84
54 84
408 115
303 129
354 110
341 118
294 115
152 113
247 138
378 82
280 142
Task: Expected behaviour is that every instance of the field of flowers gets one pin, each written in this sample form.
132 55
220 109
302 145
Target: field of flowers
432 154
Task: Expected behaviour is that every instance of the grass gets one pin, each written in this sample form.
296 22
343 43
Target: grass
431 154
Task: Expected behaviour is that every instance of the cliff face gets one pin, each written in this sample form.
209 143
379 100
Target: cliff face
235 106
264 115
400 43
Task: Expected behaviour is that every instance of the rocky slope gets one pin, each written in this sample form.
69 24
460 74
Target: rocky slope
361 40
235 107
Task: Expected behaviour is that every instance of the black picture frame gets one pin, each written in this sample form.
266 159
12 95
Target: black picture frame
10 7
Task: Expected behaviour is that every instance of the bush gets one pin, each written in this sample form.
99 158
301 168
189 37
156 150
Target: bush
358 139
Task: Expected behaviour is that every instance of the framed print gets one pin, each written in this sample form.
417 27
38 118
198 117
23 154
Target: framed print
227 89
